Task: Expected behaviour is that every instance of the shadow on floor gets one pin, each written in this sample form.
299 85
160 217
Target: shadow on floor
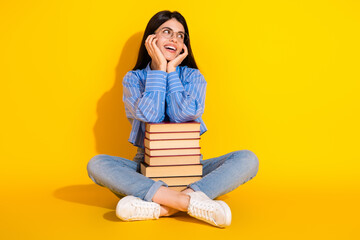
95 195
88 194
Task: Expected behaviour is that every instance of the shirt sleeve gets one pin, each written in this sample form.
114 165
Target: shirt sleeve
145 104
185 103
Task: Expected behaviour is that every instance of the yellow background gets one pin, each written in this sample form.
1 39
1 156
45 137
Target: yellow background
283 81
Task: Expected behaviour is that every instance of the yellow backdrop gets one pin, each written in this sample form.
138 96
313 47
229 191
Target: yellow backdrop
283 81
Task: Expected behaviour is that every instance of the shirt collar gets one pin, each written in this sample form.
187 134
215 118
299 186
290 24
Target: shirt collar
148 67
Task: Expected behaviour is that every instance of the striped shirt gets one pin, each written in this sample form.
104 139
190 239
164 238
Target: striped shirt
157 96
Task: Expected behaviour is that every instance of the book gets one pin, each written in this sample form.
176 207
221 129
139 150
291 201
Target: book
178 188
171 171
178 181
171 135
172 127
172 143
172 151
172 160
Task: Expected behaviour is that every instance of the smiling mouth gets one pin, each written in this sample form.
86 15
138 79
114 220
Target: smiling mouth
170 49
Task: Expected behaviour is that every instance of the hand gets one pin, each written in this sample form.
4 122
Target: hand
171 66
158 60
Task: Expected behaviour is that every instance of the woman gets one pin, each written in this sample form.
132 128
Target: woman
166 85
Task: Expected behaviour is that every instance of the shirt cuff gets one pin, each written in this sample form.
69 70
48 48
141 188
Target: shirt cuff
174 83
155 81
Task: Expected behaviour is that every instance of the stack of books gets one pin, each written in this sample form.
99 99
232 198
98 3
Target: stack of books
172 153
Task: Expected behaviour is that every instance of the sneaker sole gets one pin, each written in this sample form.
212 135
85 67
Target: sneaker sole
227 213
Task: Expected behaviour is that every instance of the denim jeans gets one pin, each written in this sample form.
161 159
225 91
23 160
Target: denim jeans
220 174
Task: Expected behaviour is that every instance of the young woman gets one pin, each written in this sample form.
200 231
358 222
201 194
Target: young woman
166 85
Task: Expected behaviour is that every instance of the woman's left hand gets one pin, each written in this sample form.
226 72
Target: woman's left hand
171 66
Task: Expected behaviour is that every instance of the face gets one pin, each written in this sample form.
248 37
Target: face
164 43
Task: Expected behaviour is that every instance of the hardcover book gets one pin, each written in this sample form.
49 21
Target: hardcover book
177 181
171 171
172 143
172 160
171 135
172 151
178 188
173 127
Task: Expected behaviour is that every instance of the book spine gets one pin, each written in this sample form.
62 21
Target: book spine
172 153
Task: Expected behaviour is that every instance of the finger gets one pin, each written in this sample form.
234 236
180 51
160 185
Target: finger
176 61
149 46
183 55
185 50
148 40
157 50
153 44
156 54
154 48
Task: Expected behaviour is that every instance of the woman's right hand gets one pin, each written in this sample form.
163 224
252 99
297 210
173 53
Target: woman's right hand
158 60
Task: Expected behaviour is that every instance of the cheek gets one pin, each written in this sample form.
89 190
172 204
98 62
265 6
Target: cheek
181 46
160 42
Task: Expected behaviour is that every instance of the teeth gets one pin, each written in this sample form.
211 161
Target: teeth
170 47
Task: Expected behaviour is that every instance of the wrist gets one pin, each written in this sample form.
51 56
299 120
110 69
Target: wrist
170 69
163 67
158 67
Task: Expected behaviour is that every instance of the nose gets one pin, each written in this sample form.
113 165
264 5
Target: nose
173 38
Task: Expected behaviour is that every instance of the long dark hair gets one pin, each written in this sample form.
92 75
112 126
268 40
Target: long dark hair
155 22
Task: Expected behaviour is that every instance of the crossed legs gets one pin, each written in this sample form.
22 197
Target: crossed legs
220 175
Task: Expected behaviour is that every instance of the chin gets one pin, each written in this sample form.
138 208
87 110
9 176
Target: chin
169 58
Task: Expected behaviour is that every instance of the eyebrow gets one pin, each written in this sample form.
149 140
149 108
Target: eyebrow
172 29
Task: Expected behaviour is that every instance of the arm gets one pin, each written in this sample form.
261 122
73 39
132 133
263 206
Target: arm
147 105
185 105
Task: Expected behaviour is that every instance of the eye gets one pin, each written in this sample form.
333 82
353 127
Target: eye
166 31
181 36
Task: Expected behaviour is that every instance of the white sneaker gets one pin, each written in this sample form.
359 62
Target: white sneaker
132 208
215 212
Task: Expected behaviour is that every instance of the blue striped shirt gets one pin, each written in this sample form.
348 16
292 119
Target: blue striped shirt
156 96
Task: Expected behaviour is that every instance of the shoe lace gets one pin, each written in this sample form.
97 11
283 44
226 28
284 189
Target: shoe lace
203 210
144 209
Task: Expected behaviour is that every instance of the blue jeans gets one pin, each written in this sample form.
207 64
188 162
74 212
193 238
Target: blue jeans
220 174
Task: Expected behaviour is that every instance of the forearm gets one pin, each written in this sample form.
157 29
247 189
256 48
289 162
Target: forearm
147 105
185 104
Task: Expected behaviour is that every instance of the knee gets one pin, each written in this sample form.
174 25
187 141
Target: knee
95 163
248 159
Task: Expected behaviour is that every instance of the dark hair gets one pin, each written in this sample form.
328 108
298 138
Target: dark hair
155 22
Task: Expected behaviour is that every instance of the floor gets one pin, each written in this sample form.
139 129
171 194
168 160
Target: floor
260 210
